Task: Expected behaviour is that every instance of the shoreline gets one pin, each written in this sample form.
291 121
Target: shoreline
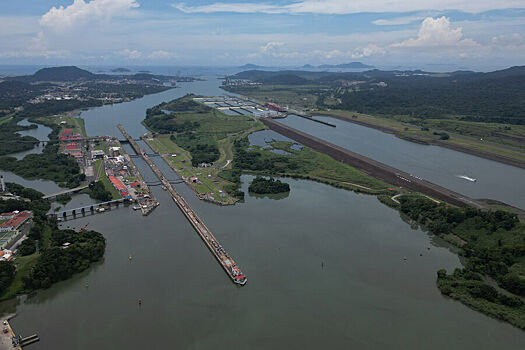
475 152
373 168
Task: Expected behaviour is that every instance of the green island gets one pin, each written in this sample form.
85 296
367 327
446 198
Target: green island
60 253
212 150
261 185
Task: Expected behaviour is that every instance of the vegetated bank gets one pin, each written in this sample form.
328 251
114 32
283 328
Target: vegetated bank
303 163
195 129
475 113
261 185
479 139
493 245
53 260
10 140
371 167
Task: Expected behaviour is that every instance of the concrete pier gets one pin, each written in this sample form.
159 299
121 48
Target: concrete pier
224 259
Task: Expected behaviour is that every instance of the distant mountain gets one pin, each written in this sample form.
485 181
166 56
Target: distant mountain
72 73
351 65
67 73
121 70
308 66
251 66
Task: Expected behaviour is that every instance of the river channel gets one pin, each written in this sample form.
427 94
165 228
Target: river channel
325 269
439 165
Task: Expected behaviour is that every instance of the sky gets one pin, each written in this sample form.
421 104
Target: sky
467 34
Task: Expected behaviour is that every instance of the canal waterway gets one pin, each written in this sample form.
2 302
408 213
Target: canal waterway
325 269
439 165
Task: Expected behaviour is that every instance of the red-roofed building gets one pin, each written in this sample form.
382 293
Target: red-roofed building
16 221
77 155
135 184
75 137
67 132
117 183
72 146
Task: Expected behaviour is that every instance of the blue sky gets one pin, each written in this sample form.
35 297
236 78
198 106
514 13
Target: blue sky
285 33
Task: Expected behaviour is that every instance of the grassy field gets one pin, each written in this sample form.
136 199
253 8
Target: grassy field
209 182
5 120
309 164
105 181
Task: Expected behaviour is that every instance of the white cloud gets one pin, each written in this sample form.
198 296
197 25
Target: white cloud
224 7
355 6
81 12
508 40
397 21
437 33
161 54
369 50
128 53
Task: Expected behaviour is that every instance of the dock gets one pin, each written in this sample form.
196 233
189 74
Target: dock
224 259
8 339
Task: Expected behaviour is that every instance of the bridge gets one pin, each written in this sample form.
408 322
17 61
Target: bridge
68 191
64 214
227 263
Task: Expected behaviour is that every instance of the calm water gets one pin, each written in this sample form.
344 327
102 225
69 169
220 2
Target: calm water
44 186
325 270
40 133
439 165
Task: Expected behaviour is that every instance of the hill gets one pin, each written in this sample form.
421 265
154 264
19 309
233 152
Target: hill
251 66
67 73
351 65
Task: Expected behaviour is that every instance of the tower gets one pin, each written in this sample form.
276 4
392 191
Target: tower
2 184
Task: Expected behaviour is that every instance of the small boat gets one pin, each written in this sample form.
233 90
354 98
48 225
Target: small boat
465 177
136 207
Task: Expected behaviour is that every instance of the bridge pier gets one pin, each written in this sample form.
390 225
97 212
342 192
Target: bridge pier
83 210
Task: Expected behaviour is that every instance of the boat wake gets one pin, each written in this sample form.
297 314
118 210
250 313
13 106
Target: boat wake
465 177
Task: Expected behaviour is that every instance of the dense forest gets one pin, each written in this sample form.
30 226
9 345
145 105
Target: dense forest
495 247
202 149
261 185
163 118
48 165
57 263
96 190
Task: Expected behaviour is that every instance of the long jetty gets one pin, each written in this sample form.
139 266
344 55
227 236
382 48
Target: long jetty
224 259
371 167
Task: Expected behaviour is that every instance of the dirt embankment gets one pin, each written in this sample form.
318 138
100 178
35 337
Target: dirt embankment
473 151
373 168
